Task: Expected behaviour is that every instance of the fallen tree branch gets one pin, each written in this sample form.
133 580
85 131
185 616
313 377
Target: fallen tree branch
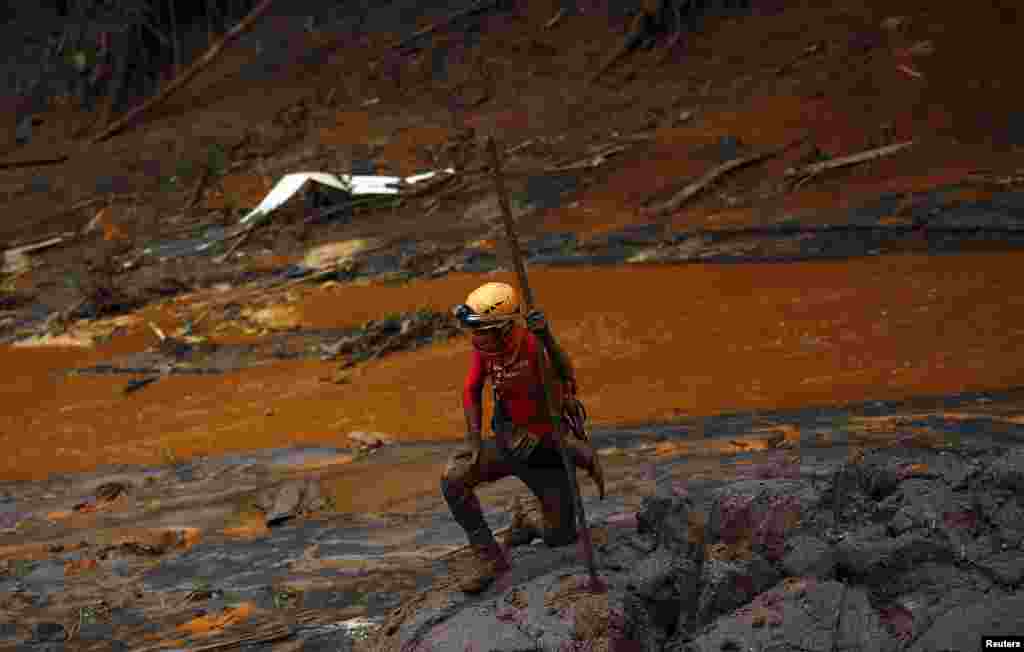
156 331
638 31
92 201
242 236
208 57
197 192
31 163
713 175
555 20
813 48
594 160
804 174
483 5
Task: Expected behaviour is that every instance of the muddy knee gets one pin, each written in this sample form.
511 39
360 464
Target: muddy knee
453 480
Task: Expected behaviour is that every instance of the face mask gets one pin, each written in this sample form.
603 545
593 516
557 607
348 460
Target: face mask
491 342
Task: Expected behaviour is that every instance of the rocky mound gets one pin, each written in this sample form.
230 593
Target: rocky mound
889 550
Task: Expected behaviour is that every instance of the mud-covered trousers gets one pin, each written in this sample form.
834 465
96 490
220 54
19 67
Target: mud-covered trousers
542 472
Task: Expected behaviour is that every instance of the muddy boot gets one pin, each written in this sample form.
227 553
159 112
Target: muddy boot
527 525
487 563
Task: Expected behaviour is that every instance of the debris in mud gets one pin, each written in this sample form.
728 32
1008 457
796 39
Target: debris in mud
800 176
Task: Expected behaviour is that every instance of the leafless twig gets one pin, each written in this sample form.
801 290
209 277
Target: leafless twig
804 174
713 175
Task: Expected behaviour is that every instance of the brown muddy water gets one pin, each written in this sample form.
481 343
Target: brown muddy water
650 343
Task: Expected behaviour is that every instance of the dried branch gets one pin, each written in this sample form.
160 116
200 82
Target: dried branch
555 20
713 175
197 191
804 174
640 29
482 5
10 165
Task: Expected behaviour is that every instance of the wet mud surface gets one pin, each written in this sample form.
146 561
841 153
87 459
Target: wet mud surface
252 544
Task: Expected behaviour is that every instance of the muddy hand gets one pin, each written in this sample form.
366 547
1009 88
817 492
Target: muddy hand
469 454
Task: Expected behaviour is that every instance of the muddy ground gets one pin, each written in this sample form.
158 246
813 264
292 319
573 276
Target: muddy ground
163 404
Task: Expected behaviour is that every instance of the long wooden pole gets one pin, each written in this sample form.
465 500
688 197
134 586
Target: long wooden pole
524 286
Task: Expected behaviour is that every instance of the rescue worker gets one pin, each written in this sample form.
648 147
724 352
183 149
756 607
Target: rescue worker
525 442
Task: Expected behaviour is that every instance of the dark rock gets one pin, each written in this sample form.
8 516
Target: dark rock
860 626
911 601
23 132
796 615
727 585
725 149
383 263
49 632
635 234
1009 518
46 573
184 473
1008 470
925 504
560 260
809 556
729 147
870 213
8 631
978 214
261 596
96 631
763 512
112 184
1007 568
334 642
127 617
662 590
551 243
960 629
873 560
667 520
286 503
476 263
40 184
326 599
549 190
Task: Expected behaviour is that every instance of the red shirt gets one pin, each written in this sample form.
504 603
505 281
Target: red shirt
517 381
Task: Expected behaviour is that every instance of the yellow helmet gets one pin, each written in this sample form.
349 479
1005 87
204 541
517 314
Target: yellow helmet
494 302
